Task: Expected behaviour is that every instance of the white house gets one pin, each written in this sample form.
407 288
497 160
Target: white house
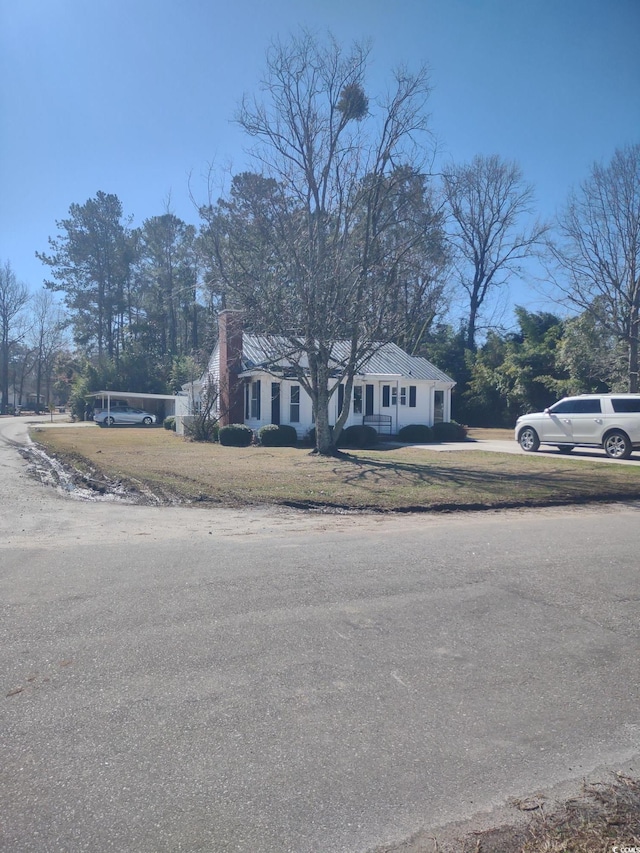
391 390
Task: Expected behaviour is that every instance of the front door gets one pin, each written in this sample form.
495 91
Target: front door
573 420
586 423
275 402
556 427
438 407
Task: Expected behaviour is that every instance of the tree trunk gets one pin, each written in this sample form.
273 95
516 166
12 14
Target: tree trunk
38 388
471 329
346 405
324 437
4 360
318 367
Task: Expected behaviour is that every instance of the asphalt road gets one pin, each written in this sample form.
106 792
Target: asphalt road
270 681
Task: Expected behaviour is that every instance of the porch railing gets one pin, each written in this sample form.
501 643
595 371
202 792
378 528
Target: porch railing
381 423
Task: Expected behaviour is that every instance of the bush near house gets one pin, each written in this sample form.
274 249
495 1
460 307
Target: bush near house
169 423
235 435
449 431
277 435
358 435
416 434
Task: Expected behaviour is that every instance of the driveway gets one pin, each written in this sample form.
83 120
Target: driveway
179 679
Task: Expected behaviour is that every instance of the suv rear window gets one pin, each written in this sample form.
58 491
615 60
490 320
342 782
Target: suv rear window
626 404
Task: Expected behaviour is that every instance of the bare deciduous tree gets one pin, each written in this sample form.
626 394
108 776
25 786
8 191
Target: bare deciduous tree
46 340
328 234
487 200
599 251
14 297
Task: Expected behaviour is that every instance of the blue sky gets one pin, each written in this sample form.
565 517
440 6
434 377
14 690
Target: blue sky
134 96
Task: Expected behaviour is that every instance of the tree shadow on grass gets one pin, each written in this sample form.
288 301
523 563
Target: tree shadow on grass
490 485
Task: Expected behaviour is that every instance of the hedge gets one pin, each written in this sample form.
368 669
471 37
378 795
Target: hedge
277 435
449 431
235 435
416 434
358 435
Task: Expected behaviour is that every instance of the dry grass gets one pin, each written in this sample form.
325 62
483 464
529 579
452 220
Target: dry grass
603 817
606 815
400 479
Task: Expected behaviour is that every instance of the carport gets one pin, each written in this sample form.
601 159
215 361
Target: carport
161 405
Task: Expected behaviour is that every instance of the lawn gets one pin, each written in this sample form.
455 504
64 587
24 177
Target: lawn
400 479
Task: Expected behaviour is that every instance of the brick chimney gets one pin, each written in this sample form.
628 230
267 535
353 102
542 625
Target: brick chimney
230 347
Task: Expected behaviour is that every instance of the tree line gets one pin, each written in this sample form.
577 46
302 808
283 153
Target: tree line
343 232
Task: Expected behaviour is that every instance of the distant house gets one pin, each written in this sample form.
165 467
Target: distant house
391 390
25 397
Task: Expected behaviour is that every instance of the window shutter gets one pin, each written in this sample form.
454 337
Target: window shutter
412 396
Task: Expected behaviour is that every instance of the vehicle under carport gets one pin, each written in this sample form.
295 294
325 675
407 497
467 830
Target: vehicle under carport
161 405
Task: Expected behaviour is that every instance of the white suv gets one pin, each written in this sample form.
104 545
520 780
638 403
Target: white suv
611 421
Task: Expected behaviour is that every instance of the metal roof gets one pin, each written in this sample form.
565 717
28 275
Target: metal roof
389 360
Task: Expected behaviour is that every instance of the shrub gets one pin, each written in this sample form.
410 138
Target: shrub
416 434
449 431
169 423
277 435
235 435
358 435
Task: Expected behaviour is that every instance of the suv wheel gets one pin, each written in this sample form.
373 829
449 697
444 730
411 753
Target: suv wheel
528 440
617 445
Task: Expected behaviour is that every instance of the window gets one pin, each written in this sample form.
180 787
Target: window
412 396
577 407
340 397
626 404
386 389
394 396
403 396
255 400
357 400
294 407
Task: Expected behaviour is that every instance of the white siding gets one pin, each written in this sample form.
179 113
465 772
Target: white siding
402 414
